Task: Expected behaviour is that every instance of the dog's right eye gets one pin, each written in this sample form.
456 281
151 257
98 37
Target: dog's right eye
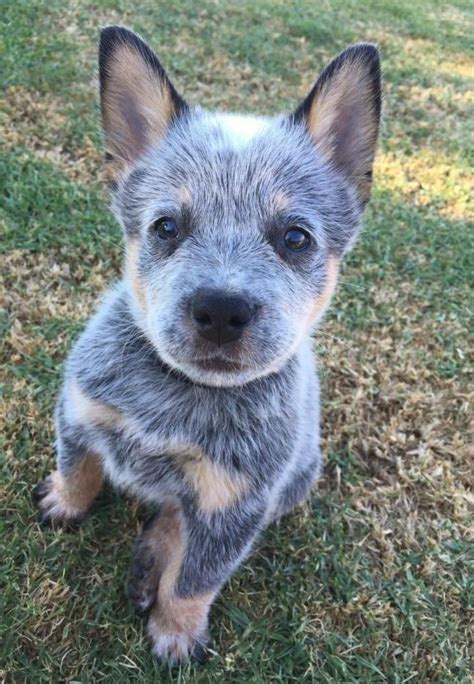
166 228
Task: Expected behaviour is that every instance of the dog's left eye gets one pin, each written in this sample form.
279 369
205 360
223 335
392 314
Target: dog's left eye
296 239
166 228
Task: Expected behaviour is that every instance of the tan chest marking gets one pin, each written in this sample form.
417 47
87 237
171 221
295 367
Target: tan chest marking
87 411
215 487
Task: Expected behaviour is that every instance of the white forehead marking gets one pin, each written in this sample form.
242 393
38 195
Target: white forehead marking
240 129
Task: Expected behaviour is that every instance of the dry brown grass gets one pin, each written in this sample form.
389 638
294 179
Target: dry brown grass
370 581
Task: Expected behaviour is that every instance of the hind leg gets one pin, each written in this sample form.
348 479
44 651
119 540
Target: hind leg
298 489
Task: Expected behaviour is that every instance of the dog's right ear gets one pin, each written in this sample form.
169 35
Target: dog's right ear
138 101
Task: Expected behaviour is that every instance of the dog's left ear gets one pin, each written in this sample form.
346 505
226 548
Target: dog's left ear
138 101
342 114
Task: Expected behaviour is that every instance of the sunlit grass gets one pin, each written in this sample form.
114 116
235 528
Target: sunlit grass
369 582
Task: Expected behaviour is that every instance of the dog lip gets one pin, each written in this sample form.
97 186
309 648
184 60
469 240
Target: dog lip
219 364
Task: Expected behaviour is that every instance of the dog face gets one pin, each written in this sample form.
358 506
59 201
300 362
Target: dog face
235 225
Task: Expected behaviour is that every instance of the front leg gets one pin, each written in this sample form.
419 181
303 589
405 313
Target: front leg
188 554
66 495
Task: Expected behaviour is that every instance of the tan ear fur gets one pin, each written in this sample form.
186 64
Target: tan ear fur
138 101
342 114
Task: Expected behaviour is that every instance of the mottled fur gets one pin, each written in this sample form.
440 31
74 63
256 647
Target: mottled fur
223 439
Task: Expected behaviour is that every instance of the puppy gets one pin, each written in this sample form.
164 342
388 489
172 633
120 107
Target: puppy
194 387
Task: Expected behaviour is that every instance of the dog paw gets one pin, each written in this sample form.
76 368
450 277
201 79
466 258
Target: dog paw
176 648
54 507
143 577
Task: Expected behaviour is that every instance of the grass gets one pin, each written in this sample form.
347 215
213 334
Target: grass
370 581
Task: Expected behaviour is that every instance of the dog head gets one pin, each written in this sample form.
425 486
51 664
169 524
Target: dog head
235 225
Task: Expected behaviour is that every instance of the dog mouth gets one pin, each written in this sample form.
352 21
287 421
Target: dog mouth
219 364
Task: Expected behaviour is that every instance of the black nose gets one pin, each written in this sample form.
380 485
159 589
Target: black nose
220 317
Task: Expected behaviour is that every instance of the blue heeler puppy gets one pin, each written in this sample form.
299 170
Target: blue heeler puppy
194 386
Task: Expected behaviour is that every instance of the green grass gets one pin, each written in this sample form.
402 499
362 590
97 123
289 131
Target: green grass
370 581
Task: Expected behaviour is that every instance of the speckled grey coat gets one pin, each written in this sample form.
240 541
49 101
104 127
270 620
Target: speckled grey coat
223 438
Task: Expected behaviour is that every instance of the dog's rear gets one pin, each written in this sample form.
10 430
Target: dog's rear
194 386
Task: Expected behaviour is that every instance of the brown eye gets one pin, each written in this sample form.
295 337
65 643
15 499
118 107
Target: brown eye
165 228
296 239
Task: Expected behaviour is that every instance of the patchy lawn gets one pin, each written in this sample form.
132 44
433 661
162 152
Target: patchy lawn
370 581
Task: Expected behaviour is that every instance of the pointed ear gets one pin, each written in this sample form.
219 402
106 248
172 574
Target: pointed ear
342 114
138 101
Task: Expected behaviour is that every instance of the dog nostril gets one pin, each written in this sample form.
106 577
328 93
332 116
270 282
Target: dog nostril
238 321
202 318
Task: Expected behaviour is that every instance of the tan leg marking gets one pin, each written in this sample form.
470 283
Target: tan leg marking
70 497
176 624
